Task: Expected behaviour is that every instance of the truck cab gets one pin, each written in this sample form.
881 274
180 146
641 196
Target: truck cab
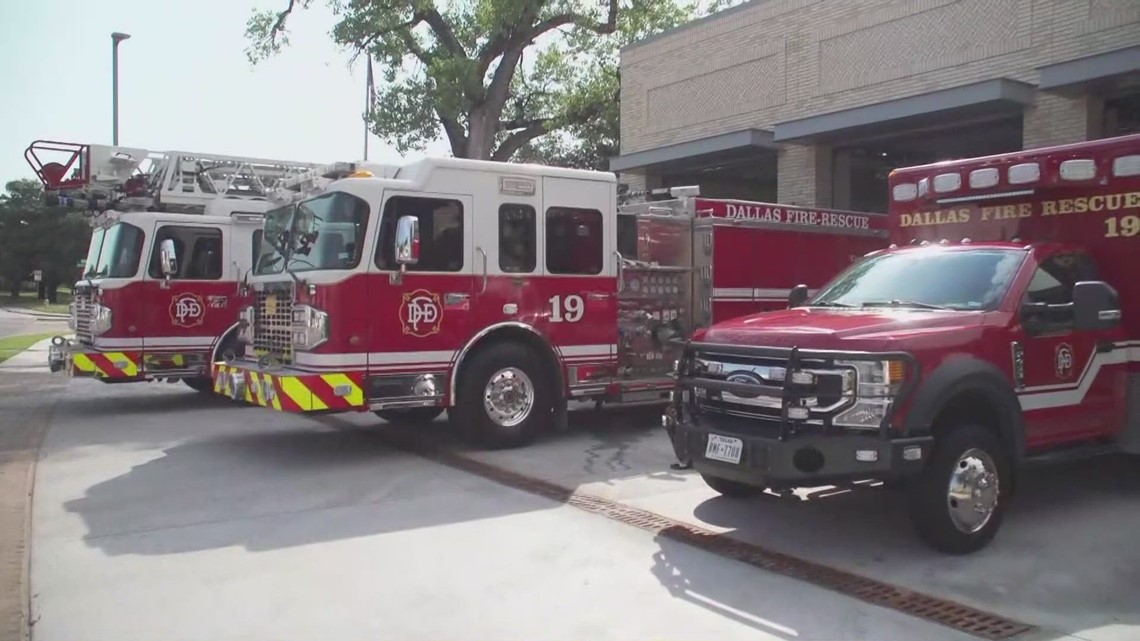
1000 328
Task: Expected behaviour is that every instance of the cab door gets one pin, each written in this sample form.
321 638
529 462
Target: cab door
578 268
188 313
422 319
1074 381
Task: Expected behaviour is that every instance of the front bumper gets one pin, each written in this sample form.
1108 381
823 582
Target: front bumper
288 389
82 361
802 460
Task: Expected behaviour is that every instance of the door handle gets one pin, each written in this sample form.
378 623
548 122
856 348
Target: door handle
484 255
597 296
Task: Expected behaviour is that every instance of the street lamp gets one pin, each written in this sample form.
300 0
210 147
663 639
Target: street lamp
116 38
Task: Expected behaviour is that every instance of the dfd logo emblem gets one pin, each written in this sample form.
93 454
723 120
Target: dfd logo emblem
1064 360
421 313
187 310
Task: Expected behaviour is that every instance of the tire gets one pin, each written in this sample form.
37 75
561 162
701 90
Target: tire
974 459
411 415
200 384
513 369
731 489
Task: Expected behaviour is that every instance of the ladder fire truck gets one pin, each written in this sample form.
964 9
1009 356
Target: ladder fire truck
1001 329
173 235
500 292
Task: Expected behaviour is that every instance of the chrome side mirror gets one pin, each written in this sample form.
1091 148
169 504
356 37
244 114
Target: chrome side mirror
407 248
168 257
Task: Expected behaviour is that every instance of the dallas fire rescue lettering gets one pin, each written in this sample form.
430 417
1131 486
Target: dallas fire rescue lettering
187 310
1063 206
421 313
773 214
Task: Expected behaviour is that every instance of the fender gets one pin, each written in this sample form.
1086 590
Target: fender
964 373
214 356
551 356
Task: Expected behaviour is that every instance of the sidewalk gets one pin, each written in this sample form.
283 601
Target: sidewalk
30 361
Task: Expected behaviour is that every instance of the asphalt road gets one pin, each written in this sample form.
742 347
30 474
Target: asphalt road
15 324
161 514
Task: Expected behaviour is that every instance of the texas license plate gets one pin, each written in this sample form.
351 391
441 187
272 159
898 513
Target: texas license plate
724 448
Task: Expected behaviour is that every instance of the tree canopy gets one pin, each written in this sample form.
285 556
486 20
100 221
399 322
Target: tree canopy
501 79
34 236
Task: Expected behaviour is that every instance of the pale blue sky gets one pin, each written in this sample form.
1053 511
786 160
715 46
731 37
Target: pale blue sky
184 82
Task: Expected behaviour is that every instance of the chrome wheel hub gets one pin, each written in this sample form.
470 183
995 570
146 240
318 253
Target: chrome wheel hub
508 397
972 495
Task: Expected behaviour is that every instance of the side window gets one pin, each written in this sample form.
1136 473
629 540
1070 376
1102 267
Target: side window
256 248
518 243
199 251
1053 281
441 233
574 241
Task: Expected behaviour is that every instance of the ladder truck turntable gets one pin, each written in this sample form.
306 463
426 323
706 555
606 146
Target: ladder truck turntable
173 234
1001 328
499 292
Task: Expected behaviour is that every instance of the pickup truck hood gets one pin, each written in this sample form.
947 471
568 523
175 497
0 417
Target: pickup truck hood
876 329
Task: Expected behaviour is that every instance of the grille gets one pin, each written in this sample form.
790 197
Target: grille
84 315
828 390
273 325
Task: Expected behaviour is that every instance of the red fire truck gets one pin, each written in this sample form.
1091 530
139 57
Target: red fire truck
1001 328
501 291
173 235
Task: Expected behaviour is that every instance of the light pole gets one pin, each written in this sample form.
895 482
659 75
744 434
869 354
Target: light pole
116 38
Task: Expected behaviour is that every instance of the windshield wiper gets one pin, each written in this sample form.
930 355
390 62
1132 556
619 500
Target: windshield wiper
903 303
829 304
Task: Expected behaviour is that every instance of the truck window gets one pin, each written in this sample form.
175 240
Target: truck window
1053 281
441 233
256 248
199 251
119 252
518 241
573 241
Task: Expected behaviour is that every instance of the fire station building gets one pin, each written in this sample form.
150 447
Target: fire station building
813 102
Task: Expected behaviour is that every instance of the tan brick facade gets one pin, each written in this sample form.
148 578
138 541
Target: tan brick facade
772 61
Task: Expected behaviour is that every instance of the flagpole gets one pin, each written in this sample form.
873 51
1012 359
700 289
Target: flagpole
367 102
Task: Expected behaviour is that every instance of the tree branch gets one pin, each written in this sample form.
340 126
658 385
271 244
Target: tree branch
455 133
442 30
279 25
516 140
563 19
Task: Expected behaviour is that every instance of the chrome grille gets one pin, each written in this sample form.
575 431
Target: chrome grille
767 371
84 315
273 325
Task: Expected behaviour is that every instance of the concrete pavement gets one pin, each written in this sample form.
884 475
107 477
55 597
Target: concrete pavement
13 323
162 514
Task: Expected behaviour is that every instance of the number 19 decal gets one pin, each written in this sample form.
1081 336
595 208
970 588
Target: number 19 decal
569 308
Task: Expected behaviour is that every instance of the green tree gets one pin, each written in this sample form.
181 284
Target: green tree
34 236
498 77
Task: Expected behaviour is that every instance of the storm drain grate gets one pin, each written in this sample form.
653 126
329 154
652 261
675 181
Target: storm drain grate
948 613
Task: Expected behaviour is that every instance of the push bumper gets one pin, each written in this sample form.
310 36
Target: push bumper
803 460
82 361
289 390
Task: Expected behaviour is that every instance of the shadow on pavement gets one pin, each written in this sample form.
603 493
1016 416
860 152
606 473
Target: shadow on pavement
278 489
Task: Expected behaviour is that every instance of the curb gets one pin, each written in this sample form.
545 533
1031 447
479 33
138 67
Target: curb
35 314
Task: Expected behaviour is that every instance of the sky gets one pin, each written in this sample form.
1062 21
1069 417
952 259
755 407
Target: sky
184 82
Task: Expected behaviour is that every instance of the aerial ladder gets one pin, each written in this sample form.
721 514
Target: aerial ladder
98 178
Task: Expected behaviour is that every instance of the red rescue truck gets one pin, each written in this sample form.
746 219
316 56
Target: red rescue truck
1001 328
501 291
173 235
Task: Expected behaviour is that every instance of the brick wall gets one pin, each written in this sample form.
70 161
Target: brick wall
770 61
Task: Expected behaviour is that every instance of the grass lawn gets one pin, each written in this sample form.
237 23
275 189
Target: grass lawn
29 301
13 345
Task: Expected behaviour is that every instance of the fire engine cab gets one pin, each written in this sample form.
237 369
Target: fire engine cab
502 291
1001 328
173 234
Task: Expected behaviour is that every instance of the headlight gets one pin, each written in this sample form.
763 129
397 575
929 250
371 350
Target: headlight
245 324
100 320
72 317
877 383
310 327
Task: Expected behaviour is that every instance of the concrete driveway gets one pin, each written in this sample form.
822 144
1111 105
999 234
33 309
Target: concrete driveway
17 323
162 514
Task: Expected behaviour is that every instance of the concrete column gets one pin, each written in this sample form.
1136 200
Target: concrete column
1057 120
803 175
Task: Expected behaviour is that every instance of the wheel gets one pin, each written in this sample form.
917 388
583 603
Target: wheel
410 415
731 489
504 397
957 502
200 384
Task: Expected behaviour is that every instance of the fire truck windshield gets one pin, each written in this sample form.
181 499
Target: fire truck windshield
114 252
326 232
933 278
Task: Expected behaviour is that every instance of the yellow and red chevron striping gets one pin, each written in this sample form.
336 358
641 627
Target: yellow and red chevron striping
293 393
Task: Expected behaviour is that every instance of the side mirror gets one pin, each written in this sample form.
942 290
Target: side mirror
1096 305
798 296
168 257
407 241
